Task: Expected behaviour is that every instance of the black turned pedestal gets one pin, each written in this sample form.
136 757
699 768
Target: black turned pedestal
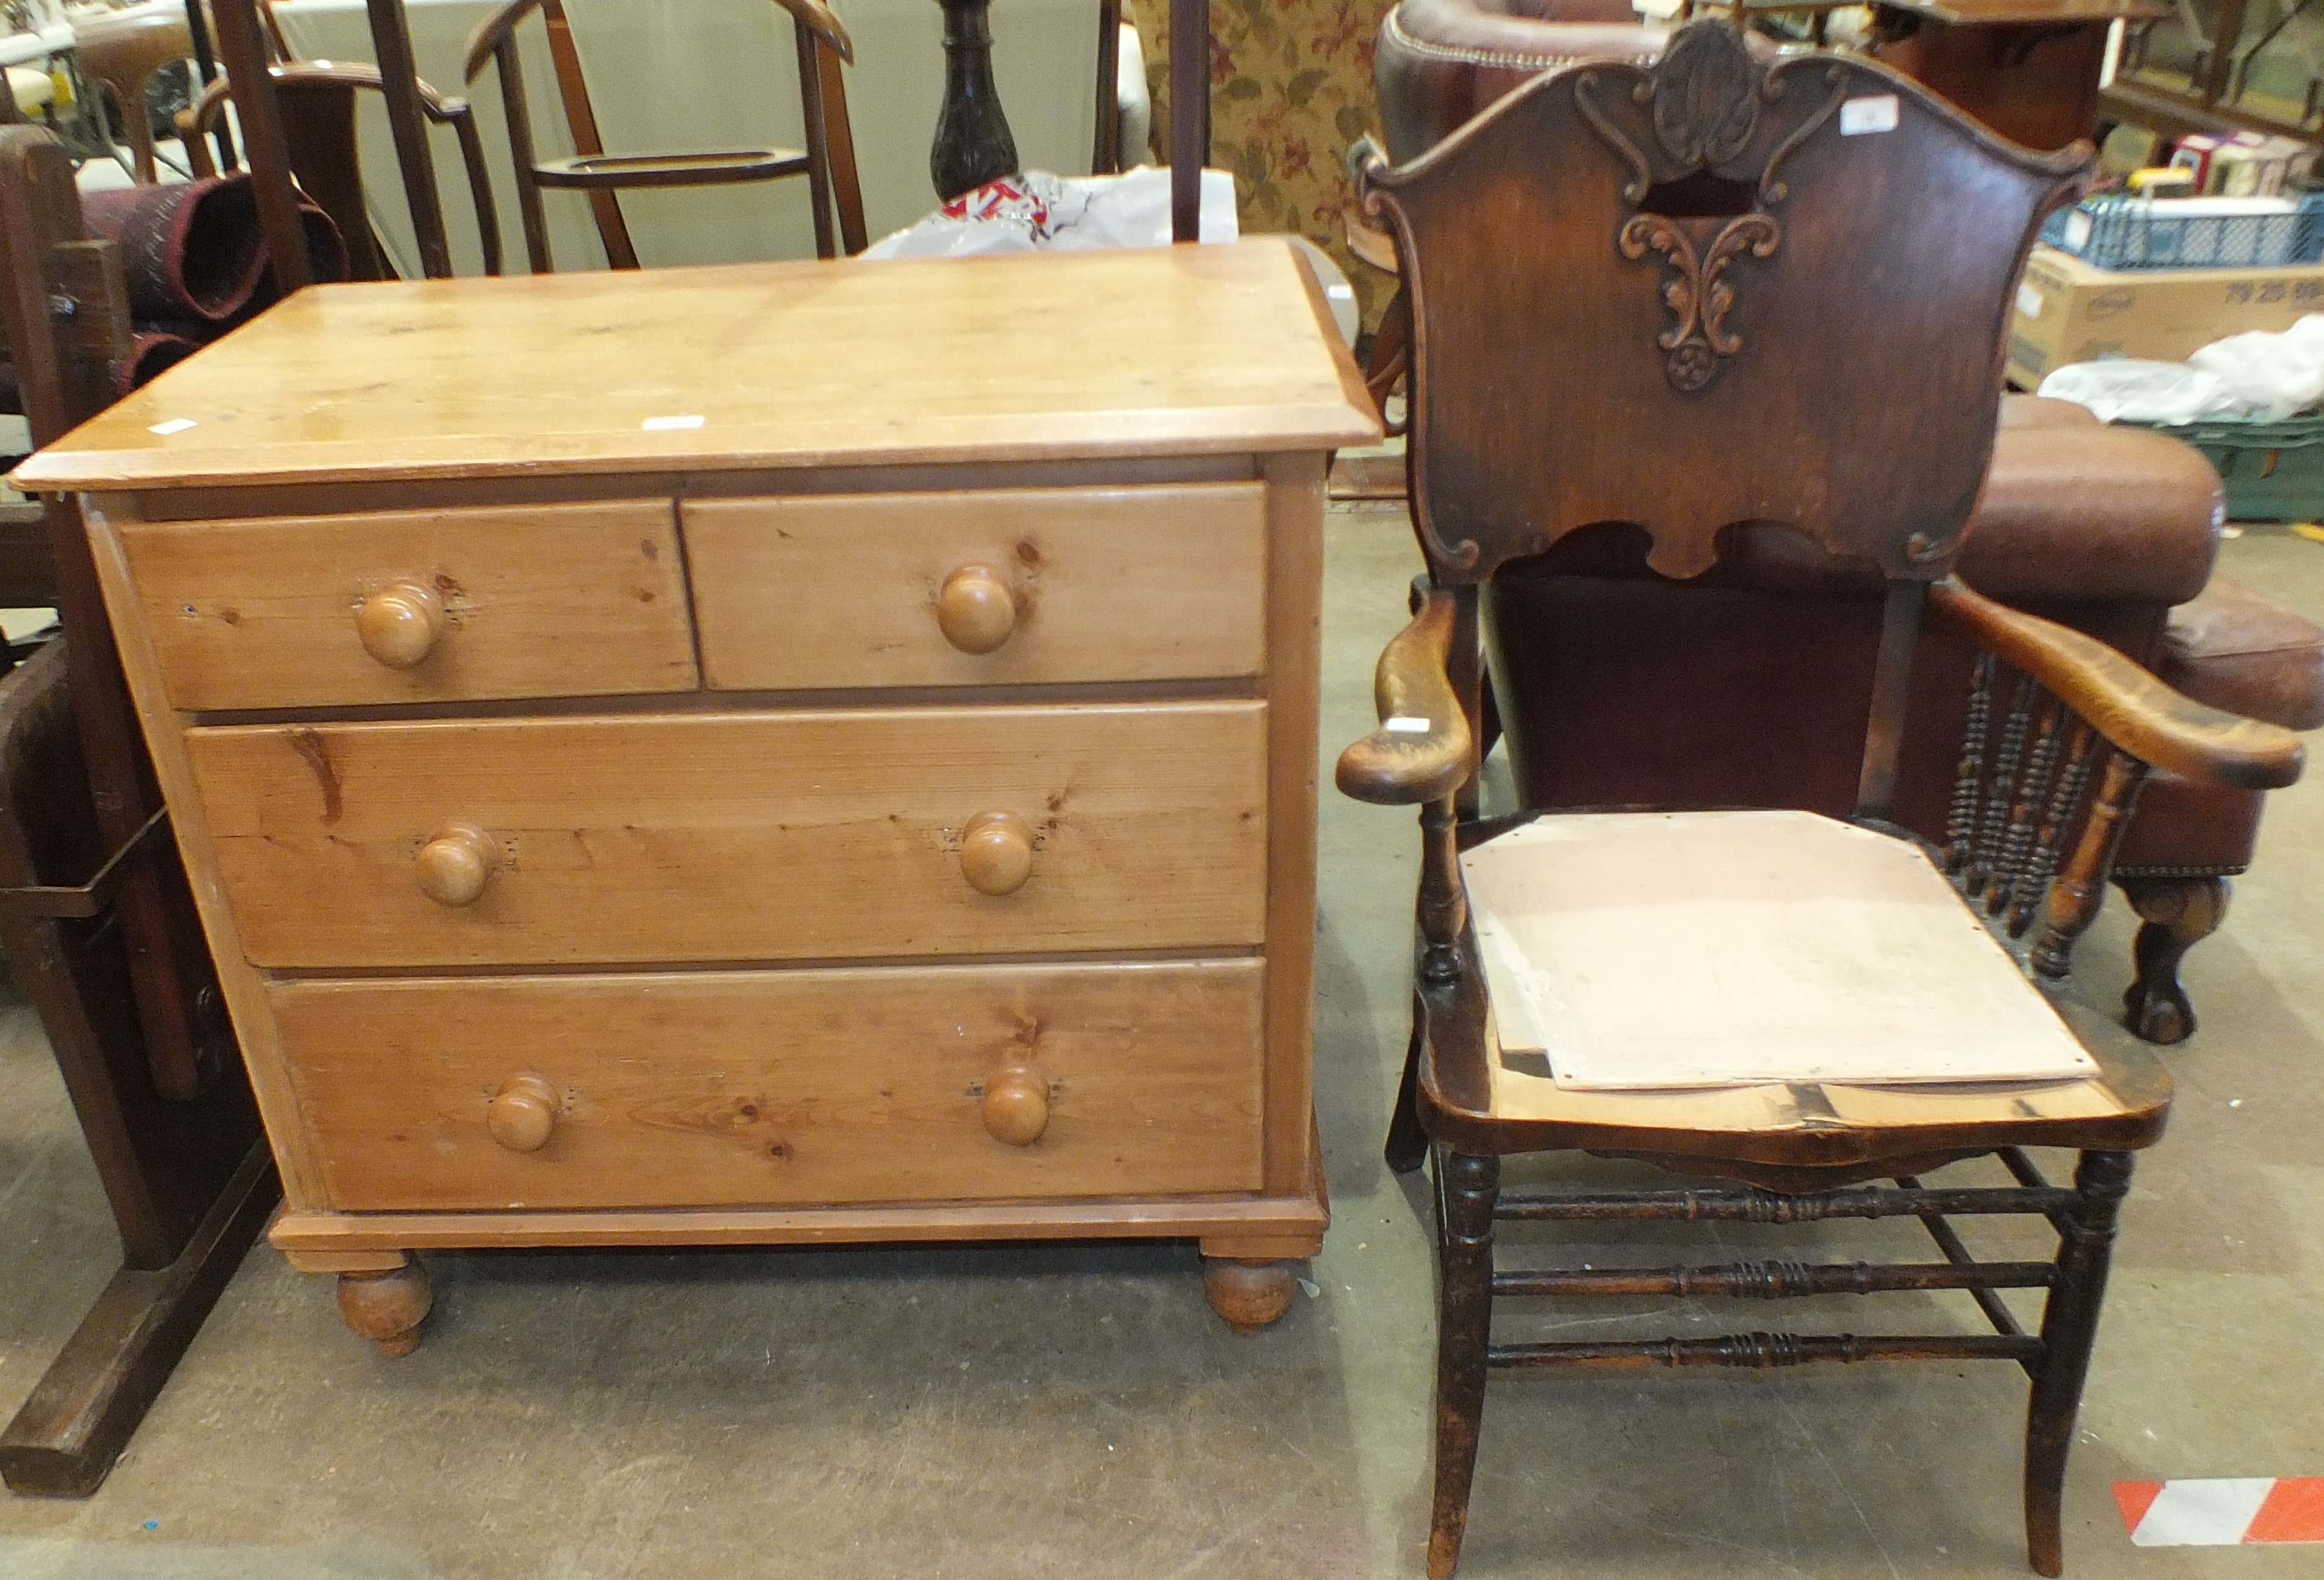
972 144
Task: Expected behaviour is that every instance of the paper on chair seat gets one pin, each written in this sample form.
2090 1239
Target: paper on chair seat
1711 948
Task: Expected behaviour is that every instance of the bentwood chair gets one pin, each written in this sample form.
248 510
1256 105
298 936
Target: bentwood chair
316 100
1741 307
828 161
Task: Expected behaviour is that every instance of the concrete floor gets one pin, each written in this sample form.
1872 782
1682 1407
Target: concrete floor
1077 1411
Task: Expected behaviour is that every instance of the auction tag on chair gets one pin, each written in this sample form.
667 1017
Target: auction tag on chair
1876 113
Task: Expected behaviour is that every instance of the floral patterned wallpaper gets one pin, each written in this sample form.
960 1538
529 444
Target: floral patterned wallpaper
1291 88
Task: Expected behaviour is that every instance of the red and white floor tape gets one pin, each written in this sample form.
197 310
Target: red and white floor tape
2222 1512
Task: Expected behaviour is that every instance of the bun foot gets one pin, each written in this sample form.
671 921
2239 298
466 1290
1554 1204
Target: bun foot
387 1308
1249 1294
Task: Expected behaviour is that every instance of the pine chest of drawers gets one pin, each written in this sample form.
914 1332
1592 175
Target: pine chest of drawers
758 755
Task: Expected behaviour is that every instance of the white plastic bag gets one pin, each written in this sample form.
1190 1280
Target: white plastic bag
2121 389
1038 212
2269 376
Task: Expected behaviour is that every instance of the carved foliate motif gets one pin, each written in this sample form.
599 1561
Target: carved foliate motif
1696 291
1702 99
1704 96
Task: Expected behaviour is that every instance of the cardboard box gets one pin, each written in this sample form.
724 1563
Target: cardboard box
2067 311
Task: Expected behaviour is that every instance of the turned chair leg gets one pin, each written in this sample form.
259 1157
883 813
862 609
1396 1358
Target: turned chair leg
1466 1189
2177 913
1408 1143
2069 1324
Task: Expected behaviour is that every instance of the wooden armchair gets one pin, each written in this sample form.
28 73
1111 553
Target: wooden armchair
828 162
317 99
1736 303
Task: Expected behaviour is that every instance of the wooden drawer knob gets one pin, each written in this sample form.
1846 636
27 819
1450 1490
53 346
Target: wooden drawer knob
399 625
1017 1105
455 864
996 853
975 609
523 1112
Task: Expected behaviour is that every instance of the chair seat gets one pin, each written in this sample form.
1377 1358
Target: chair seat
1787 991
602 170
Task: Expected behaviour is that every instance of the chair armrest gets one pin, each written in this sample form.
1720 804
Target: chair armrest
1421 750
202 118
488 34
2124 703
818 19
2081 514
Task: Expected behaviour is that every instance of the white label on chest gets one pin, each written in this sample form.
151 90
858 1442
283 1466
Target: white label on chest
1404 723
1876 113
666 424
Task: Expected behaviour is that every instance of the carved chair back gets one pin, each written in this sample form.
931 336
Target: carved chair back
1713 290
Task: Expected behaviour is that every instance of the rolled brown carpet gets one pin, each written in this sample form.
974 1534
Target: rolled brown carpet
194 250
148 355
326 257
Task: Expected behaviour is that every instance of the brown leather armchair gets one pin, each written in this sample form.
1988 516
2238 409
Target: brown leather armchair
2110 531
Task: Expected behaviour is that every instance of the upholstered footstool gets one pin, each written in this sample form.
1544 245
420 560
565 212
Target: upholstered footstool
2236 651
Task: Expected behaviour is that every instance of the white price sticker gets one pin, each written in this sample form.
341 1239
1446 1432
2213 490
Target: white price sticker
1404 723
1876 113
666 424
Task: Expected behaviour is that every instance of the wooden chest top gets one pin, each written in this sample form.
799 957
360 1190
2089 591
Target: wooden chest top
1158 351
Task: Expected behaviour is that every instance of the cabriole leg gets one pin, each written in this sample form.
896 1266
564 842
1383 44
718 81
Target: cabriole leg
2177 913
387 1307
2070 1324
1466 1187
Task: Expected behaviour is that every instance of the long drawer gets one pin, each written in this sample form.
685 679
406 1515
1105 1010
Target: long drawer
997 586
740 837
753 1087
406 607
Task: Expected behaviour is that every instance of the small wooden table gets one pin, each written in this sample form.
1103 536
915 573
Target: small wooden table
755 755
2028 68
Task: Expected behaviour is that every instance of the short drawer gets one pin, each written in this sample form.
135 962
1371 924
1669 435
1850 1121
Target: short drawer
725 836
990 587
772 1089
568 600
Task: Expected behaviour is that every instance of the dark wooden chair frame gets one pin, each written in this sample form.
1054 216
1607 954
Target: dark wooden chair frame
95 908
828 162
1719 166
319 98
